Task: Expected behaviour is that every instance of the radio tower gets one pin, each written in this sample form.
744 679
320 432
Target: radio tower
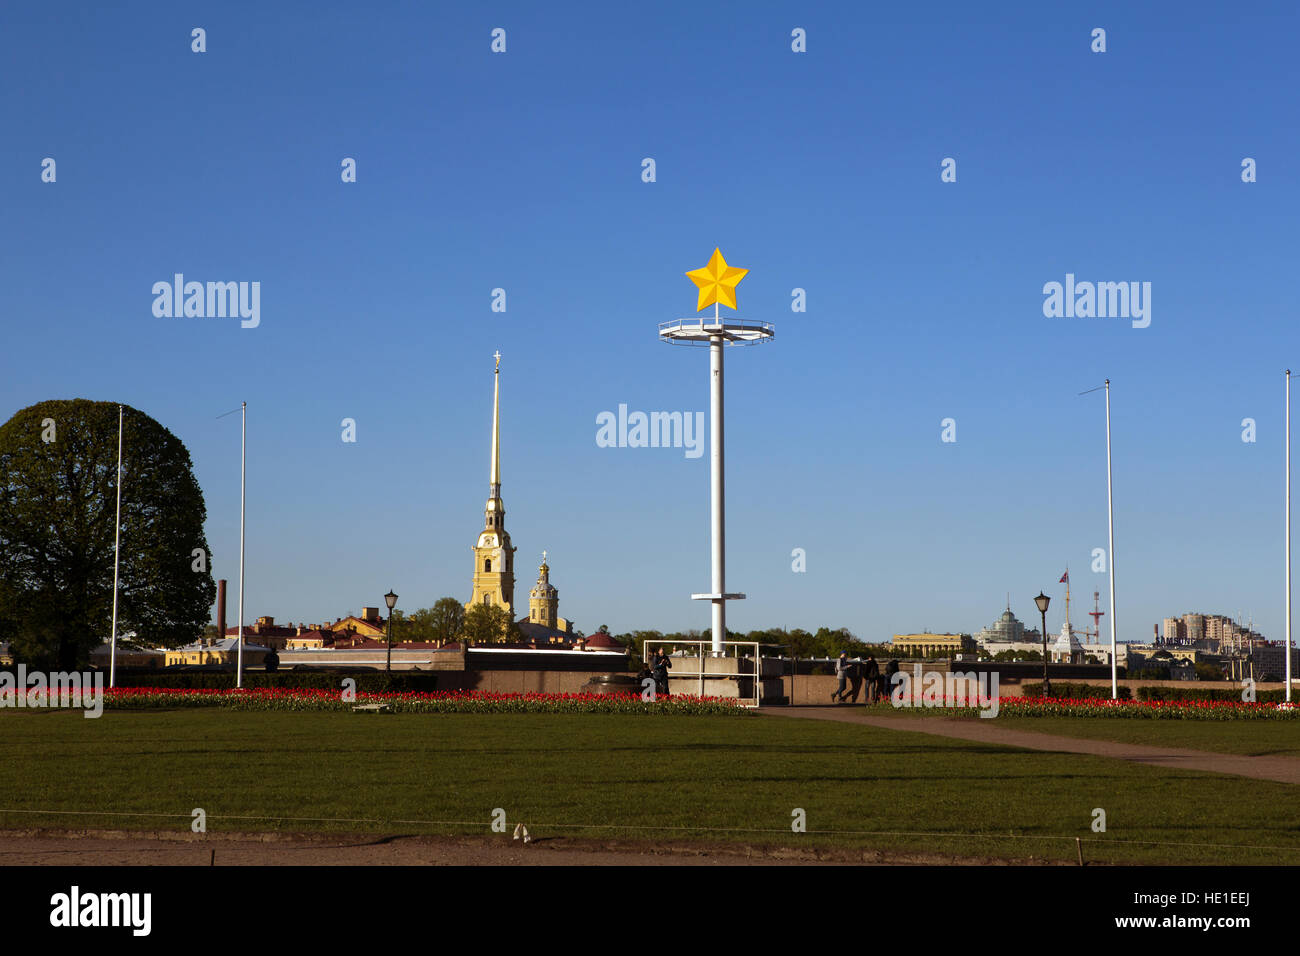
1096 616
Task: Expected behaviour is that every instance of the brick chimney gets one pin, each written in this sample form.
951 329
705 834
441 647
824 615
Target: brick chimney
221 609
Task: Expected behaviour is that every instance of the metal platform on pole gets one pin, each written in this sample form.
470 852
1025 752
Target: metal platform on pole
717 284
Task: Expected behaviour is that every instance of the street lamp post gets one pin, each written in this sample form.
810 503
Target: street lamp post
391 600
1042 601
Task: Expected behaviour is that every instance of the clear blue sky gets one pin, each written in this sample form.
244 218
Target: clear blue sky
817 170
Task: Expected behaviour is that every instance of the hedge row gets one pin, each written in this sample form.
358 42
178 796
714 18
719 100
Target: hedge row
1208 693
1067 691
1149 692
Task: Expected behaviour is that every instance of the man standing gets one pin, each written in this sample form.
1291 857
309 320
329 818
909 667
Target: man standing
873 679
887 681
659 670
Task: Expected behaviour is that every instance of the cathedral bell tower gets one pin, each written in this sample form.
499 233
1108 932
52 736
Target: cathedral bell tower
494 557
544 599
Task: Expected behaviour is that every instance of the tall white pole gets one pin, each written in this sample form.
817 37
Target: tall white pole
1110 521
717 496
243 442
117 547
1288 536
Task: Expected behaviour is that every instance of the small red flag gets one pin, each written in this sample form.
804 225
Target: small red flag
1065 578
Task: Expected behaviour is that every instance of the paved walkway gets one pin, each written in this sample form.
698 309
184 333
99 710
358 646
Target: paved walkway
1280 769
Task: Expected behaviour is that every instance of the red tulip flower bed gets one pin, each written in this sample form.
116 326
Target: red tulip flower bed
417 702
1148 709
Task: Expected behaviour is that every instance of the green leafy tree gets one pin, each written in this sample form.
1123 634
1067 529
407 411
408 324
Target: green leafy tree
422 628
1207 670
403 627
399 622
635 644
800 643
413 627
446 618
486 624
58 488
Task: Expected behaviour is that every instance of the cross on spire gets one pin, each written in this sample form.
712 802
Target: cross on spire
497 356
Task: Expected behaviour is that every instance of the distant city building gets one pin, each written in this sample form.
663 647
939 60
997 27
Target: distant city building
1067 649
1033 645
1179 661
1216 633
312 640
101 657
214 651
369 624
925 645
1005 629
302 636
1269 662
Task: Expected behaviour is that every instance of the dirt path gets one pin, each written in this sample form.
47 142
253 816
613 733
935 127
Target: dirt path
134 849
1280 769
130 848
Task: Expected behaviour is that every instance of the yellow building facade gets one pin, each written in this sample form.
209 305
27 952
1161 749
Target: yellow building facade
924 645
224 652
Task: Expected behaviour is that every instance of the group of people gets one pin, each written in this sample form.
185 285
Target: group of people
854 673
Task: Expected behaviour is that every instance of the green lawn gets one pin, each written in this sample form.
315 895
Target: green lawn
1253 738
686 778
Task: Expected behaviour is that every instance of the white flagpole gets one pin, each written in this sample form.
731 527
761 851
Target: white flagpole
117 547
1288 536
243 442
1110 520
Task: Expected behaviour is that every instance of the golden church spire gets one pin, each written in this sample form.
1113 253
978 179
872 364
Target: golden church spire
494 573
495 478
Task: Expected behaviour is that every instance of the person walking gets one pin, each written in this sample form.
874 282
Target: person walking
842 672
855 679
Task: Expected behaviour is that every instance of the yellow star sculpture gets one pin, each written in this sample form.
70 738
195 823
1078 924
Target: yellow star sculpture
717 282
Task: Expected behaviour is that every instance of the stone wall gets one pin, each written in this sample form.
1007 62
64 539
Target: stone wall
517 681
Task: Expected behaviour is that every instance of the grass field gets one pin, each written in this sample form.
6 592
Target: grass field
1252 738
653 778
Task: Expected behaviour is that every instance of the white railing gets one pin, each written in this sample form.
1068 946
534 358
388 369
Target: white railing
703 674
